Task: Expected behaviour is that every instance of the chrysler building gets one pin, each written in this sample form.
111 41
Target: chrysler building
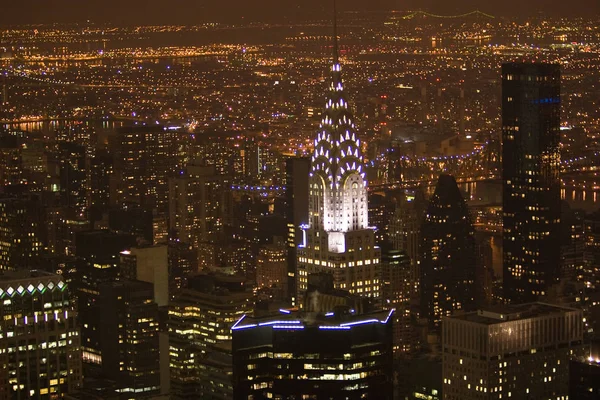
338 239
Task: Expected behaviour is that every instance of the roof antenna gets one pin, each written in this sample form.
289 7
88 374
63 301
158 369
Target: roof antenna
336 58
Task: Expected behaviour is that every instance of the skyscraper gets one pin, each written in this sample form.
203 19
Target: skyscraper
530 174
40 347
448 254
197 205
338 238
397 288
146 157
297 170
129 336
337 355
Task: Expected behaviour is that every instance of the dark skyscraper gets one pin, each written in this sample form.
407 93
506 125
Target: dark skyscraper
530 169
296 200
313 356
448 262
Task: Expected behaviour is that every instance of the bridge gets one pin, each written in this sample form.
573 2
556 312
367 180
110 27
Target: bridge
475 13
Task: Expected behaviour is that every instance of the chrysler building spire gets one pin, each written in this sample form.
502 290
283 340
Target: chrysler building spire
340 202
338 239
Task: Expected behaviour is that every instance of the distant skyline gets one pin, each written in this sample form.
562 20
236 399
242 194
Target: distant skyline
197 11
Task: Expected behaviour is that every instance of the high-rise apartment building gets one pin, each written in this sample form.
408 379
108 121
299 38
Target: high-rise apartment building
197 205
321 356
40 351
200 321
147 157
338 238
511 351
448 255
530 174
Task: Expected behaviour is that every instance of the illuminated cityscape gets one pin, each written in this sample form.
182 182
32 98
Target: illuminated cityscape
309 200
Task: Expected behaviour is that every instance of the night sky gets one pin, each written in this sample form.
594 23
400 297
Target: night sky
196 11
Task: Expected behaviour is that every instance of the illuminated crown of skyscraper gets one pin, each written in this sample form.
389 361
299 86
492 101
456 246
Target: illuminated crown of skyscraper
337 158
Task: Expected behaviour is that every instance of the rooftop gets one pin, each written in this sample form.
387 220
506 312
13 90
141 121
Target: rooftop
502 313
288 319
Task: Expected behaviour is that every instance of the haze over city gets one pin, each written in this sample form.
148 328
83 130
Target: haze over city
247 200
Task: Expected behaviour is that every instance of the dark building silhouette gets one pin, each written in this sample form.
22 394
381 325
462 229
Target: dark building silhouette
20 232
337 355
530 174
590 274
99 255
129 336
448 254
584 375
296 212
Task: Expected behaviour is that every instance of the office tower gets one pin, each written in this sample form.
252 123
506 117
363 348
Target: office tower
338 238
584 375
398 289
338 355
99 251
147 156
129 336
20 233
511 351
530 174
296 213
448 262
200 321
148 264
591 265
198 205
41 354
272 268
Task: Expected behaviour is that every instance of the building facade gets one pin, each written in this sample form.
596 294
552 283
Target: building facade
530 175
40 349
517 351
200 321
